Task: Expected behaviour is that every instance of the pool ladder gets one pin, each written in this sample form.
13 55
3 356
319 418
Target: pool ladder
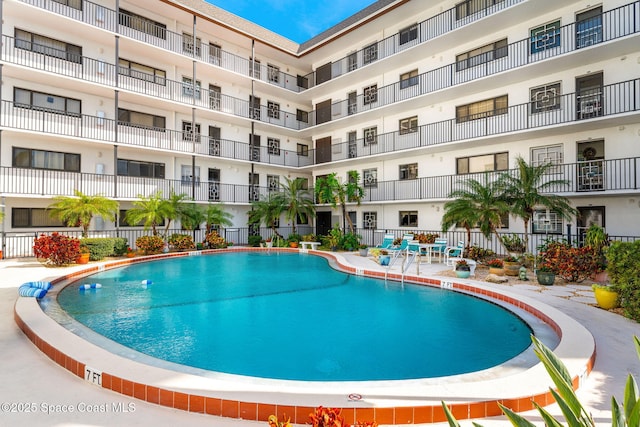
409 258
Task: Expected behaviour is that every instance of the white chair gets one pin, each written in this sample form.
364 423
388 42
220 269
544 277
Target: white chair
453 253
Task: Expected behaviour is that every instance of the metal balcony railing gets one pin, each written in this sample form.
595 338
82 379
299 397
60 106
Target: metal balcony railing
620 22
617 98
102 129
104 73
595 176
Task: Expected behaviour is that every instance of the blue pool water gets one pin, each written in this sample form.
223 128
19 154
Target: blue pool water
291 316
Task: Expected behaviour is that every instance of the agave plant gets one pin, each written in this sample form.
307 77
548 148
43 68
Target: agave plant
574 413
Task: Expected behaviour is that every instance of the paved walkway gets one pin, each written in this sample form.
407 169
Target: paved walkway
43 394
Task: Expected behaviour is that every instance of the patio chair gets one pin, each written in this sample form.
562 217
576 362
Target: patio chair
387 241
453 253
438 250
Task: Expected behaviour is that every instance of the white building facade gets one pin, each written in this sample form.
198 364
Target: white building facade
129 98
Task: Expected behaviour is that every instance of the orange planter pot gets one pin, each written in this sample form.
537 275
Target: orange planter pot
293 244
82 259
131 254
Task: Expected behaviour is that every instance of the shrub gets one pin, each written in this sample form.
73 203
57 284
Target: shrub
350 241
309 238
294 237
571 264
513 243
426 237
477 253
495 263
150 244
181 242
623 265
254 240
99 247
56 249
120 245
215 241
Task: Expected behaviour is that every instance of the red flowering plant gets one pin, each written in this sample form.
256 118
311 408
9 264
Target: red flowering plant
495 263
327 417
150 244
56 249
571 264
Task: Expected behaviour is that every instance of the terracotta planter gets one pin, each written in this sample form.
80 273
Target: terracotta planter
601 277
497 271
131 254
293 244
82 259
605 298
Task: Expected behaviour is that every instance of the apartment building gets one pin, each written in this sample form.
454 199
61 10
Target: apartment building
125 98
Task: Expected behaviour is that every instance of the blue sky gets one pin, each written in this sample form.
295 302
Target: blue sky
298 20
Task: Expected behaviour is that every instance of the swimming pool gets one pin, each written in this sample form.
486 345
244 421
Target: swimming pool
291 316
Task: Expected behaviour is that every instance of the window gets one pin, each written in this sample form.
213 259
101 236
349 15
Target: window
371 135
187 177
187 87
215 97
302 116
215 54
549 154
408 79
589 28
140 23
482 55
187 132
273 110
370 220
254 68
409 125
76 4
141 72
273 146
370 94
408 218
33 217
25 98
470 7
482 109
545 98
546 222
41 159
370 177
544 37
143 120
484 163
370 54
187 44
302 150
122 221
273 73
140 169
408 34
48 46
273 183
409 171
352 62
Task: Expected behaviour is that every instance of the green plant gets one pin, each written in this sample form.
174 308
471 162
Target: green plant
350 241
77 211
309 238
571 264
511 258
574 412
362 246
150 244
215 241
330 190
334 237
495 263
298 201
294 237
598 240
149 211
477 253
254 240
56 249
181 242
120 245
426 237
99 247
513 243
623 265
462 265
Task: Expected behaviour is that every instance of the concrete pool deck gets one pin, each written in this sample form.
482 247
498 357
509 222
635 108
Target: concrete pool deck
34 382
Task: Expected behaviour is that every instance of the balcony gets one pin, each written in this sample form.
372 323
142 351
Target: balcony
612 100
95 71
617 23
583 178
104 130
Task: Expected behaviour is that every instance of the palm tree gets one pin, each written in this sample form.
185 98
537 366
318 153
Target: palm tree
330 190
176 206
191 216
524 193
216 215
150 211
268 210
460 213
298 201
483 204
80 209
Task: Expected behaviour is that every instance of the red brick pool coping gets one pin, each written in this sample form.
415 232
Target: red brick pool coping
257 411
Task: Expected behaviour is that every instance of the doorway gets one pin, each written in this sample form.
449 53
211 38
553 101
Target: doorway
323 223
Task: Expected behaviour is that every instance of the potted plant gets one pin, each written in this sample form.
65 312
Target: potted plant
496 266
598 240
294 240
384 258
606 296
364 250
130 253
545 275
514 244
463 269
512 265
83 258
